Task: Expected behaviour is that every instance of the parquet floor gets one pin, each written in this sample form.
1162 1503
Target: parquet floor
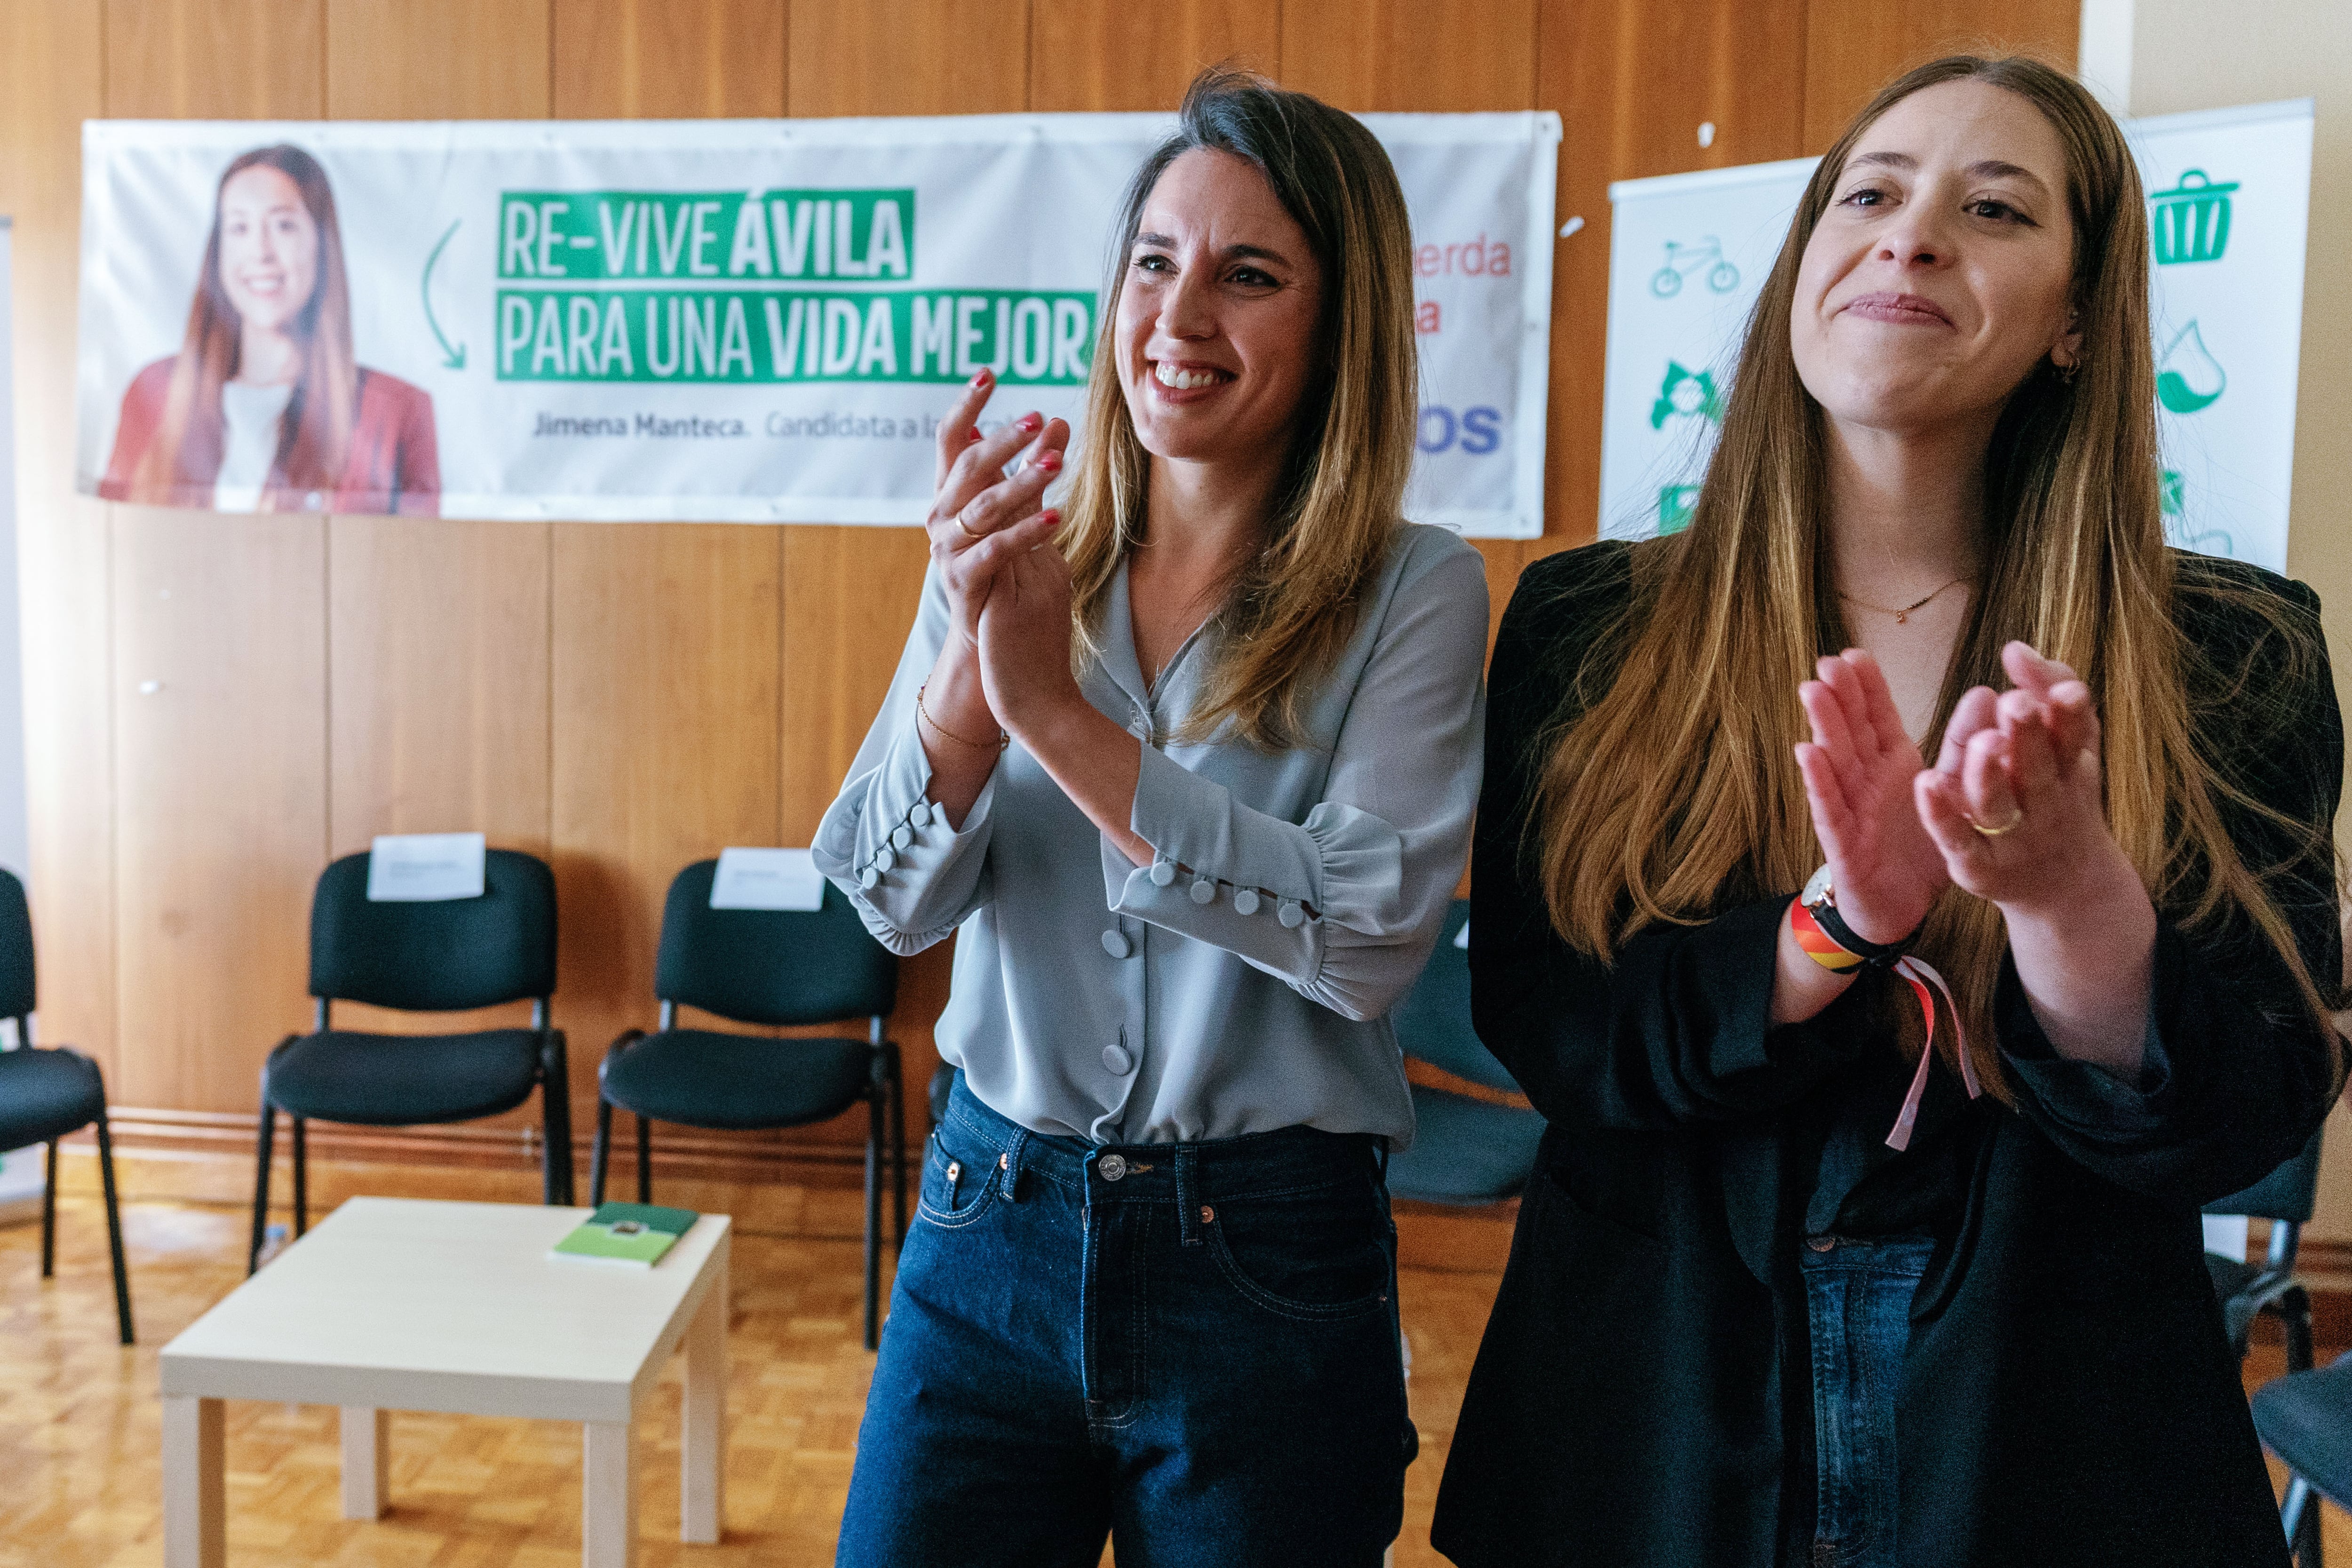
80 1423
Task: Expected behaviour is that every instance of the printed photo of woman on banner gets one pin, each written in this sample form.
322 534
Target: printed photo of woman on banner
266 407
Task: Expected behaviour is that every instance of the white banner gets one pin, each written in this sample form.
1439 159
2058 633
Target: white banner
706 320
2228 203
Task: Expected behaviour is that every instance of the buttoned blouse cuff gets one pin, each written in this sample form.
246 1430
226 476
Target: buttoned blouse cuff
1272 892
891 851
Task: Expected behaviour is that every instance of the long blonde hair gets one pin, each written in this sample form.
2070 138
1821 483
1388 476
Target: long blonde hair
316 430
1294 606
1674 790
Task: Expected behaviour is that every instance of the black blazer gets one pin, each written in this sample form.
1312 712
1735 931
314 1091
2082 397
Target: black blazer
2068 1397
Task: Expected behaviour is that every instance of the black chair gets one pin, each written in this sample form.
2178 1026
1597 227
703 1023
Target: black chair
445 956
763 967
2305 1418
2246 1291
1476 1140
45 1094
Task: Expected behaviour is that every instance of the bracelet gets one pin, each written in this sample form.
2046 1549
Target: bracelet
1829 942
1003 738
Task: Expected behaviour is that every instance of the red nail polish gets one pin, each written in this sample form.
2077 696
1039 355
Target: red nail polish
1032 423
975 435
1049 460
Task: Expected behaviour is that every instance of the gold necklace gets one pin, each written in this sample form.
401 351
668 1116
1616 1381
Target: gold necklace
1903 615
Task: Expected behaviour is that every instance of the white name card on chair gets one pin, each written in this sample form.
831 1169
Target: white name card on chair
425 868
767 879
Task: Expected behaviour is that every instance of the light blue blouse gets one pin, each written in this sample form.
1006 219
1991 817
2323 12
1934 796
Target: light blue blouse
1095 998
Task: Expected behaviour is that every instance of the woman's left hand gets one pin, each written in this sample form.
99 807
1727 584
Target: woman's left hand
2016 800
1025 639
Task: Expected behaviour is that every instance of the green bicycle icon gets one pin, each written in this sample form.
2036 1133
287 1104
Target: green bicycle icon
1668 280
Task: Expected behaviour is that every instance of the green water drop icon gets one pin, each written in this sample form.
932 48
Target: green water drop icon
2189 377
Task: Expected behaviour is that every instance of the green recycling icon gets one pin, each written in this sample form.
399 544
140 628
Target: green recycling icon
2191 222
2188 376
1686 391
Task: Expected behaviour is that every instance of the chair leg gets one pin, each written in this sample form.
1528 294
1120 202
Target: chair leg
268 1121
599 1152
555 1090
50 1211
645 1158
114 1228
876 1095
2294 1316
2300 1519
301 1178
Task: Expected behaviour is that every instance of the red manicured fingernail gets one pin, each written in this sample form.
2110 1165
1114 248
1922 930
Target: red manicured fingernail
975 435
1032 423
979 380
1050 515
1049 461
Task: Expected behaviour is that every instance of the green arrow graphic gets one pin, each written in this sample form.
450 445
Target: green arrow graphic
455 358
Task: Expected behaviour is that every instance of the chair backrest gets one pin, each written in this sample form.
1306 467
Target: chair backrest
1432 1021
441 956
769 967
15 950
2289 1193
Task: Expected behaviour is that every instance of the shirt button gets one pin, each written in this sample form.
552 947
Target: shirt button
869 878
1115 943
1162 873
1291 914
1204 892
1245 900
901 836
1821 1243
1112 1167
884 860
921 816
1120 1063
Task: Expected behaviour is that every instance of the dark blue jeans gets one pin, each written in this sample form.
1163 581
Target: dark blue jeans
1858 1305
1191 1348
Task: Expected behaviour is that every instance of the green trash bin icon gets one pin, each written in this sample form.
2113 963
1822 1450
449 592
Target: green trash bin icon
2191 222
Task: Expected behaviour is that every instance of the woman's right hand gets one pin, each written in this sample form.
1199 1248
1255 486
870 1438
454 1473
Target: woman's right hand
980 519
1885 869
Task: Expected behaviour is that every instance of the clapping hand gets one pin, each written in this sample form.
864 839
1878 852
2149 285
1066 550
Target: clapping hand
980 519
1858 769
2016 800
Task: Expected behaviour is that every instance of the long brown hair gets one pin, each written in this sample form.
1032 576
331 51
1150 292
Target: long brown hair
315 432
1340 499
1674 789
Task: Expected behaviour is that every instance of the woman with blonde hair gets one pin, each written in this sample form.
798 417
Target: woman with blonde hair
1784 1290
266 407
1187 765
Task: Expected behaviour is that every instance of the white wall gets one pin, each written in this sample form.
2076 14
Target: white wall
2161 56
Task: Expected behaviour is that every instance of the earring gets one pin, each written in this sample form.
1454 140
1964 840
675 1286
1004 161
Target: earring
2066 372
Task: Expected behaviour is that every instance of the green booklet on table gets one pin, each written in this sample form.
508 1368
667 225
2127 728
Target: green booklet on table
634 1233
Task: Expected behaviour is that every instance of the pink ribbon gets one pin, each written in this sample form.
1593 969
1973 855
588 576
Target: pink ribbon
1918 974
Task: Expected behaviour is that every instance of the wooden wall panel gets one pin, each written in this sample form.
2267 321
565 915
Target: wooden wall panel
215 59
438 630
1632 83
1853 48
437 60
51 77
220 708
907 57
1105 56
628 59
666 638
219 666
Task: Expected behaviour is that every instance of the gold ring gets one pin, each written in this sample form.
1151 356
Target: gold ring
968 533
2017 819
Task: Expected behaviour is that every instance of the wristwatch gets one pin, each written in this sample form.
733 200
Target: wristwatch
1820 902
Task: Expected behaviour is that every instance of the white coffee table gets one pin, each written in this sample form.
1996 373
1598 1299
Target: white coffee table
393 1304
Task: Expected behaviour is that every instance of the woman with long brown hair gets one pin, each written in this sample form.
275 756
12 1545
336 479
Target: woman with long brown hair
266 407
1784 1290
1186 764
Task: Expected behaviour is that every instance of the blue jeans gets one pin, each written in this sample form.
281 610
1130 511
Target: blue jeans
1858 1305
1191 1348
